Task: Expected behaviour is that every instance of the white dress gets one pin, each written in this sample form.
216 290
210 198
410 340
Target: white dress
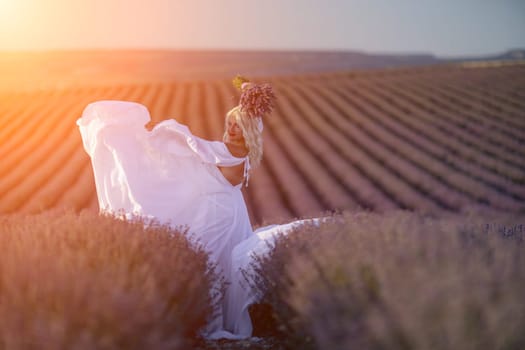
171 175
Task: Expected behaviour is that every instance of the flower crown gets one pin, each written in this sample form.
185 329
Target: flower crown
256 99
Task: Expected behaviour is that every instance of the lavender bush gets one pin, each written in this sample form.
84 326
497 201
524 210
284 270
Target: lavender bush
85 281
400 280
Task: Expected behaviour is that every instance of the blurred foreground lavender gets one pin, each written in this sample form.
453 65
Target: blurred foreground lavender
399 280
71 281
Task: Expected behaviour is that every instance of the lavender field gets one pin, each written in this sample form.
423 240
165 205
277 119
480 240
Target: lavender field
426 165
431 138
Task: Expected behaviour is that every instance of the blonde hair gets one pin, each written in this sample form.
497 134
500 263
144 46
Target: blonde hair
250 131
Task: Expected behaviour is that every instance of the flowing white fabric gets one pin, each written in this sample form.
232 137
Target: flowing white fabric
171 175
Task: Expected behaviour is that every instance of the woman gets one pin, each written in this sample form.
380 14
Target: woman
175 177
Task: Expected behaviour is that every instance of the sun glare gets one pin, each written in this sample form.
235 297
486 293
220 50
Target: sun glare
8 9
9 16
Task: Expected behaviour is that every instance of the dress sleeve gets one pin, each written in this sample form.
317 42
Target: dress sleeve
173 137
104 114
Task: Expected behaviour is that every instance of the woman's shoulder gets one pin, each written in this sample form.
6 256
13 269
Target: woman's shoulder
237 150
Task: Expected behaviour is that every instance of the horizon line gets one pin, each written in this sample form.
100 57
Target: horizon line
253 50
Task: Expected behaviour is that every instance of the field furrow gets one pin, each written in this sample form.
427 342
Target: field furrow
297 189
82 191
485 132
417 123
467 101
497 141
161 100
384 148
353 144
22 123
330 185
356 183
195 110
485 167
490 93
402 158
16 114
176 107
501 101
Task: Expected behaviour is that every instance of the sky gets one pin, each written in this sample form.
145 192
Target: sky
446 28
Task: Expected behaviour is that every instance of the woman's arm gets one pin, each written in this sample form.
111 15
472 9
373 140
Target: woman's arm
169 136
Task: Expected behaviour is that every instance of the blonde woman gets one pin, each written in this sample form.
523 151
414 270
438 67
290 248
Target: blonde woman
175 177
243 137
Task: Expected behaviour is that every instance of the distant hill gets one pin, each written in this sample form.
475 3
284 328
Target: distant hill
62 69
510 55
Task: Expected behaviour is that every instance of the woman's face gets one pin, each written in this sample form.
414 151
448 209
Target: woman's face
233 131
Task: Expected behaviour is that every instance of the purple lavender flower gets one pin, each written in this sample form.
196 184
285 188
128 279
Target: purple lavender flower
257 99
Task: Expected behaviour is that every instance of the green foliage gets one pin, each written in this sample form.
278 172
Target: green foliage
86 281
399 280
238 81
